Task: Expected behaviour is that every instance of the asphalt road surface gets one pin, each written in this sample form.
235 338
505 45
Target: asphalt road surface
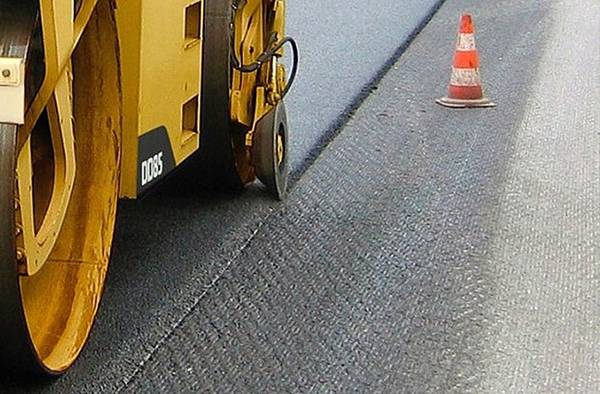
426 250
345 46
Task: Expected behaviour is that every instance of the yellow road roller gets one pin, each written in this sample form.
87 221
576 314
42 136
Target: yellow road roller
101 100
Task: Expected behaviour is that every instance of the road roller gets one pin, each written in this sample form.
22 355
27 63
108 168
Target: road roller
100 100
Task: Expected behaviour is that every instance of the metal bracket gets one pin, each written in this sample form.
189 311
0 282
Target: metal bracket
12 90
10 71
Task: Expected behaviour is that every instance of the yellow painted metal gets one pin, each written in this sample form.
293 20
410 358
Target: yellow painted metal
280 149
250 41
277 77
258 24
161 73
61 34
116 71
61 297
161 67
278 21
35 245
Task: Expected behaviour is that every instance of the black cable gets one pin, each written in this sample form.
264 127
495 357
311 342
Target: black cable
295 63
267 56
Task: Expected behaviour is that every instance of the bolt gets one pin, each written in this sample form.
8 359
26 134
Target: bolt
6 73
20 256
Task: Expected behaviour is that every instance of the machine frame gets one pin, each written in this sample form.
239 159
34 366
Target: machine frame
101 100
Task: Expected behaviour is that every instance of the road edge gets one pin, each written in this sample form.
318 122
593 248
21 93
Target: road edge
337 126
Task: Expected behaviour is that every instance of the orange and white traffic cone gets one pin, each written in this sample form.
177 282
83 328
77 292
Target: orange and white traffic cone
466 88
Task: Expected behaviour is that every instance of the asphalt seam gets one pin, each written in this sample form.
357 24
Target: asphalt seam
328 137
336 127
173 328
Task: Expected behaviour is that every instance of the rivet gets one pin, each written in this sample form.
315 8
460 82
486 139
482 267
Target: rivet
6 73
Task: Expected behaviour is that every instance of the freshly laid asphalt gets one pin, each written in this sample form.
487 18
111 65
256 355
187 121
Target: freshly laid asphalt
345 45
426 250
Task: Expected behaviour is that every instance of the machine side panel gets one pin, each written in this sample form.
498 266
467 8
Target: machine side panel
161 54
170 77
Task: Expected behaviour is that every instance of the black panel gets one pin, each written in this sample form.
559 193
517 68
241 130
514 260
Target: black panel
155 158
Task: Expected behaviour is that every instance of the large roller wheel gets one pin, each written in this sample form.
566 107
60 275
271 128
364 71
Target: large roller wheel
66 228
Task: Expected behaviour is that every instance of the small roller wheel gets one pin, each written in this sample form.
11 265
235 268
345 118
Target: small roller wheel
270 151
233 29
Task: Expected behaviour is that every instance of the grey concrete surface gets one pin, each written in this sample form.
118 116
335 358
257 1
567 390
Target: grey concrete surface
426 250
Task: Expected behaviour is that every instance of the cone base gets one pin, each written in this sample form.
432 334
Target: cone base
456 103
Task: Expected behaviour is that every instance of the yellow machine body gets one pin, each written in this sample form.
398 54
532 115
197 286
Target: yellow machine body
161 55
161 61
100 100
